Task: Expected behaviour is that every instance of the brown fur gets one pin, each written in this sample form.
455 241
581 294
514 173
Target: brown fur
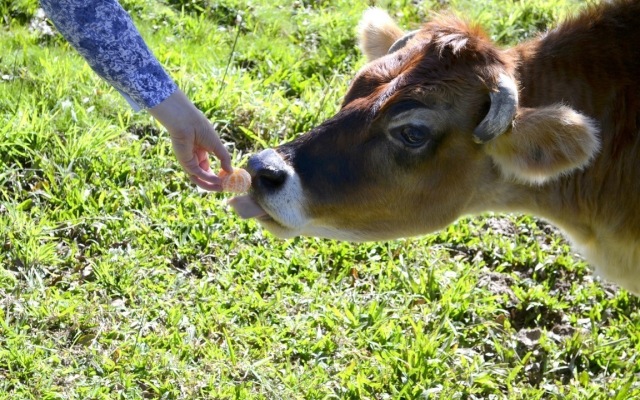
571 154
531 154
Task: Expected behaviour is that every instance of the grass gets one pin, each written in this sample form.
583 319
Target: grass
118 279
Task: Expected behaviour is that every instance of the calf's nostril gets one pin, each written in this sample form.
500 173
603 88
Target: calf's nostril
268 170
271 178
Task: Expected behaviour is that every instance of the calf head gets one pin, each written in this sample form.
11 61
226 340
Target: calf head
427 131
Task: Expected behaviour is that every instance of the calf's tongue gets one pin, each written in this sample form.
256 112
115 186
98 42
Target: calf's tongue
246 207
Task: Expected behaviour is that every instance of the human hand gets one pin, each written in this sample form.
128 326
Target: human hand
193 138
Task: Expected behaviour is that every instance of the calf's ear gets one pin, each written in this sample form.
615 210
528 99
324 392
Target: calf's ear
545 143
377 32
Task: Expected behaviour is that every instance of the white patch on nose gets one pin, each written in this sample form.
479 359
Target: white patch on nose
288 217
285 205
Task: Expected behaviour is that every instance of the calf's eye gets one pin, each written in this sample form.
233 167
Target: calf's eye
413 135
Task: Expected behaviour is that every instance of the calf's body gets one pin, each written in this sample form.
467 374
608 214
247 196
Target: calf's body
592 64
441 123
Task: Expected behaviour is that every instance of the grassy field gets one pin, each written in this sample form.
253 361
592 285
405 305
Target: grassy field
120 280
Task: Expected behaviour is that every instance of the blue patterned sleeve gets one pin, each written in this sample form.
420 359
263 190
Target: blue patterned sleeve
104 34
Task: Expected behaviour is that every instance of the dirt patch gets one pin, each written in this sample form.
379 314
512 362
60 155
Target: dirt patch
500 285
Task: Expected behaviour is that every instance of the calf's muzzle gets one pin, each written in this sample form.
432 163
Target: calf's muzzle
268 171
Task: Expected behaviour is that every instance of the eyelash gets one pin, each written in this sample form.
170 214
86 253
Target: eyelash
407 134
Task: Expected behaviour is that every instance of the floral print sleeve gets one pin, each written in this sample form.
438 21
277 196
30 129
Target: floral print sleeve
104 34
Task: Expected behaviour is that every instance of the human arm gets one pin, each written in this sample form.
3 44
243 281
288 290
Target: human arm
104 34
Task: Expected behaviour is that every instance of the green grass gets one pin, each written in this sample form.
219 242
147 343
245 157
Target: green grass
120 280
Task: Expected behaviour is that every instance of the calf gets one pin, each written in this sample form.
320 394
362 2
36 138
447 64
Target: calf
441 123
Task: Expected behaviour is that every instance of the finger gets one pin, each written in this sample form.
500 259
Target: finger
205 185
203 175
202 158
193 166
212 143
205 165
222 154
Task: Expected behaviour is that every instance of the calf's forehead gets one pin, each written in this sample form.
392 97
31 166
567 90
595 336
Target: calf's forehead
379 79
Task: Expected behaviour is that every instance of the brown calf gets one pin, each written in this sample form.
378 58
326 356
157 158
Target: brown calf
442 123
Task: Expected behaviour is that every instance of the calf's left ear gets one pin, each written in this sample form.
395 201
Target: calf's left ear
377 32
545 143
